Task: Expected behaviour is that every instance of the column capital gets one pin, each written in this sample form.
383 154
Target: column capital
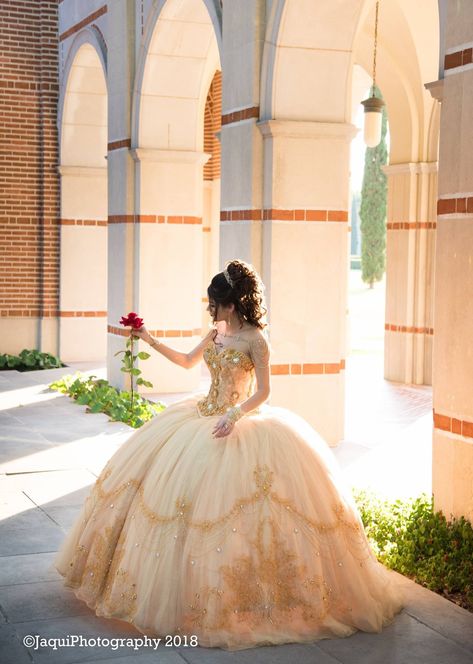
83 171
411 168
160 155
307 129
436 89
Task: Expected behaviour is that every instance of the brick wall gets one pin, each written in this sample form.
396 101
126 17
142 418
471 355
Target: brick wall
29 186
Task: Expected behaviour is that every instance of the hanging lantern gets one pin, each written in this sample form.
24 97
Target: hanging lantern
373 105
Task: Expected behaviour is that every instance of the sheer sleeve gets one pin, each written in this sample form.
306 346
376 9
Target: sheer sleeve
260 351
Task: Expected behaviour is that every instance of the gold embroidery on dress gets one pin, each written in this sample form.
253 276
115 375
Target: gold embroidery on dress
262 587
232 377
255 587
263 480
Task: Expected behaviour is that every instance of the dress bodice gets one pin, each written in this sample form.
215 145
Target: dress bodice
232 379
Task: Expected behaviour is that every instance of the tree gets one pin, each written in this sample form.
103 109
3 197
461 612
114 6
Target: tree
373 208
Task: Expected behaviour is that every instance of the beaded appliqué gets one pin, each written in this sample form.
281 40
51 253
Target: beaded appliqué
232 377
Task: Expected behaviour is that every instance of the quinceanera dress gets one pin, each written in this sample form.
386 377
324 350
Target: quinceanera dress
245 540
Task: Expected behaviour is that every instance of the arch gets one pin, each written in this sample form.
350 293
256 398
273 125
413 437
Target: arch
326 41
83 128
207 11
90 35
83 119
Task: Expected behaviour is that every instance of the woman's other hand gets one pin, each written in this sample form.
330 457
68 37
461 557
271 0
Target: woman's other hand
223 427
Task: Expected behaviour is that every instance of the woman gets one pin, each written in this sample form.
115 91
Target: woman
226 518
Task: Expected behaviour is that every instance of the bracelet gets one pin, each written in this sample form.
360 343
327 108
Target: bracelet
155 344
234 413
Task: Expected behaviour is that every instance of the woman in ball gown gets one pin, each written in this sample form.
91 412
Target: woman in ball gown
225 518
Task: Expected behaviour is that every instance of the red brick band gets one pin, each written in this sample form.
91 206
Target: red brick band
28 313
82 314
408 328
276 369
152 219
458 59
125 331
83 222
118 145
78 26
242 114
410 225
271 214
453 425
463 205
307 368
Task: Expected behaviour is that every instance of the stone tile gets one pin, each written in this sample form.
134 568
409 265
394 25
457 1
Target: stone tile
56 488
16 431
13 503
64 515
281 654
87 626
27 568
439 613
29 532
165 657
40 601
11 648
406 640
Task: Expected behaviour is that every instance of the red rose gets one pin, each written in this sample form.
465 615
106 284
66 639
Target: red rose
132 320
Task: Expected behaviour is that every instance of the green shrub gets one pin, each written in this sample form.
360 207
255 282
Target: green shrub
413 539
101 397
30 360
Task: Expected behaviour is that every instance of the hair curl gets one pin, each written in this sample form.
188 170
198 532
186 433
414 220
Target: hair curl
247 293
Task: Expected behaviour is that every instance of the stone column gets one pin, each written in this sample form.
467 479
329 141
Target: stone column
453 310
410 249
305 266
122 232
241 141
169 258
83 267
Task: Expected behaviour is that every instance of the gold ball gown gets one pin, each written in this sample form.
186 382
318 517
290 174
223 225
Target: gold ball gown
245 540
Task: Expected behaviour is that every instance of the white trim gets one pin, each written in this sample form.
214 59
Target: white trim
456 216
460 195
458 70
453 436
307 129
410 167
157 155
460 47
83 171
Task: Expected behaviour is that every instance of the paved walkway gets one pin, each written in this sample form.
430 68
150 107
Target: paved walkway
51 452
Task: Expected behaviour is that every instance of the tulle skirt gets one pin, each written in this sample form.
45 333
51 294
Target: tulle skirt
247 540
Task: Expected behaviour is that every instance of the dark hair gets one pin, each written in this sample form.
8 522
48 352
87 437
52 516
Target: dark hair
247 292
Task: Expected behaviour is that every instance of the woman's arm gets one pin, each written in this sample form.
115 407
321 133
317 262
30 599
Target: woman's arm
185 360
262 392
260 354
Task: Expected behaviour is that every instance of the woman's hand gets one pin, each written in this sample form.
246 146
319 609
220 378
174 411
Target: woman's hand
142 333
223 427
